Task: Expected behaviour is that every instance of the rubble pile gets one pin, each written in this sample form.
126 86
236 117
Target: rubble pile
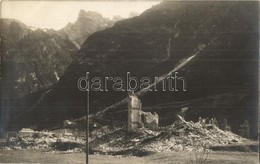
182 135
54 140
189 136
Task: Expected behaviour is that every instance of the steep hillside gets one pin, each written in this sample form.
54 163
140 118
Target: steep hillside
32 59
13 29
214 45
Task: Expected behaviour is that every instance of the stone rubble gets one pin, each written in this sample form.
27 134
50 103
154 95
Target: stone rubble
52 140
182 135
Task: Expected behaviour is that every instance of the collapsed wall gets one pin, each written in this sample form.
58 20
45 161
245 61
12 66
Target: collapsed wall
138 118
62 139
182 135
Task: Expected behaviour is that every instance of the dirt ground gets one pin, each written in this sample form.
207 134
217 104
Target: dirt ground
37 156
218 157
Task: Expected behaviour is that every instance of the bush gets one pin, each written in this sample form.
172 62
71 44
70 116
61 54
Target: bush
201 153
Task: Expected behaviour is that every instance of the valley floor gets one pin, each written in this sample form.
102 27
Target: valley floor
37 156
216 157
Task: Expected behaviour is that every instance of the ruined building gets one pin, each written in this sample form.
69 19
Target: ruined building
137 118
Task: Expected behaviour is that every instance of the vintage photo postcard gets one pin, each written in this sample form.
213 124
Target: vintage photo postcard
129 82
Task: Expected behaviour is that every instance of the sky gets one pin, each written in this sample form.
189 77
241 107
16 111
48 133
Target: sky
57 14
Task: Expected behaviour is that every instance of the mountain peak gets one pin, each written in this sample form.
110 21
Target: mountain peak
13 29
89 14
87 23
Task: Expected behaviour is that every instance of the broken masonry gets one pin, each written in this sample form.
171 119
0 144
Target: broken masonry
137 118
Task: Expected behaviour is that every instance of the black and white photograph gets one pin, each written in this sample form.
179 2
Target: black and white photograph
129 82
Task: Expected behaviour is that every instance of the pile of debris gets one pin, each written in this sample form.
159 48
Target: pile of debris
63 140
182 135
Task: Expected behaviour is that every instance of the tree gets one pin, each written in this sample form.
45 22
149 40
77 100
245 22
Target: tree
244 130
